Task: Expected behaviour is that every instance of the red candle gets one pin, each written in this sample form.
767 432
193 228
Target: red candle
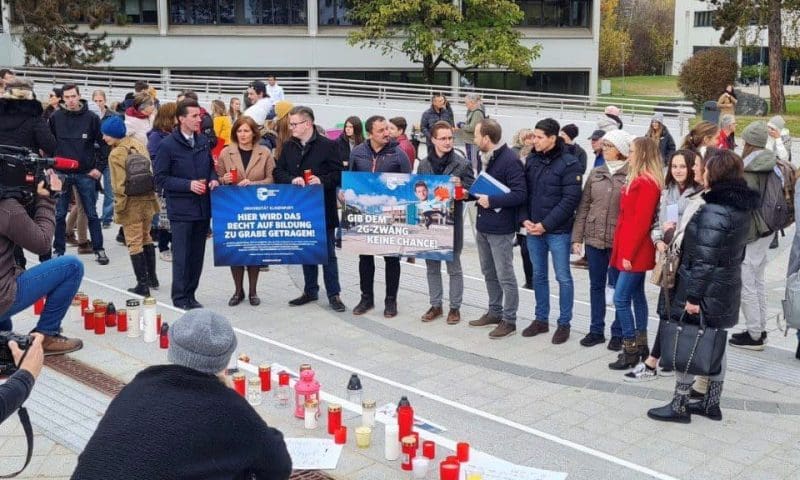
307 175
405 421
84 302
38 306
111 316
449 471
238 383
163 339
462 451
283 379
340 437
122 321
409 451
334 418
429 449
88 318
265 374
158 324
99 323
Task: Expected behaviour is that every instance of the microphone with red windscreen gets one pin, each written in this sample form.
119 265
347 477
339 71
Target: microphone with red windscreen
63 163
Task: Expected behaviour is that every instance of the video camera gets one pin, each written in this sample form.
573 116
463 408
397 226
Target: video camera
7 365
21 170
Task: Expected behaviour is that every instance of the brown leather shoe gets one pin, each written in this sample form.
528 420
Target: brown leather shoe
535 328
71 240
453 316
432 314
85 248
582 262
561 335
59 344
486 320
504 329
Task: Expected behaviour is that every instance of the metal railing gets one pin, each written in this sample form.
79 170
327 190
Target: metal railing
117 83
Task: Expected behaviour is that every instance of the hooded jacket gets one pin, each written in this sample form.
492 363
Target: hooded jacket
78 137
128 210
390 159
710 273
138 124
596 218
22 125
757 167
554 179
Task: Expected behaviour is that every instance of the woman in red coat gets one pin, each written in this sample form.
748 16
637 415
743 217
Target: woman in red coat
633 252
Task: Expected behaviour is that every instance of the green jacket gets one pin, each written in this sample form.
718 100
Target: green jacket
473 118
757 167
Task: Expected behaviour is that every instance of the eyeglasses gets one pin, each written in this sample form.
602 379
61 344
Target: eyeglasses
295 125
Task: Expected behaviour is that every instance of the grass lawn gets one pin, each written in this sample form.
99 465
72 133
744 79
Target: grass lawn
646 87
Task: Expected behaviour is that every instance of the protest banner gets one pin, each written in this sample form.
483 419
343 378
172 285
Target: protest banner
398 214
268 224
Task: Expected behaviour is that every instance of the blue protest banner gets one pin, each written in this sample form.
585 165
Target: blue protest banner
268 224
398 214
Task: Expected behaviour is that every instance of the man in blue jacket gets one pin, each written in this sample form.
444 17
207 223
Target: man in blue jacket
554 178
378 154
184 170
77 132
496 228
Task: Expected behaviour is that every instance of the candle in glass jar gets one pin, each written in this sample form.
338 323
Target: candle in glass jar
391 446
340 437
163 336
133 318
368 413
363 436
158 323
238 383
111 315
254 395
149 320
75 313
84 301
409 444
99 323
265 373
311 414
122 320
334 417
88 318
429 449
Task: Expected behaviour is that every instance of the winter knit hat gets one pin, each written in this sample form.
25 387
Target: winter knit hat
282 108
612 110
571 130
621 141
658 117
756 134
606 124
202 340
777 122
114 127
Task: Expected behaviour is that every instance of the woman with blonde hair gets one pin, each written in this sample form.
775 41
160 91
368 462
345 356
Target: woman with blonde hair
222 121
633 252
235 109
253 164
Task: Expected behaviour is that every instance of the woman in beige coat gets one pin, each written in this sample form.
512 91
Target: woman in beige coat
727 102
134 213
253 164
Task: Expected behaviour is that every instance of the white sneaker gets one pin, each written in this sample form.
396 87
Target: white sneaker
166 255
609 296
641 373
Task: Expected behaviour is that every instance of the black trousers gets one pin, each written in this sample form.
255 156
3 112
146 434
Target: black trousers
366 273
188 251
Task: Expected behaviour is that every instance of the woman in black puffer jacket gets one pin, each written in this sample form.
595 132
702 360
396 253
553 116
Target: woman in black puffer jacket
709 276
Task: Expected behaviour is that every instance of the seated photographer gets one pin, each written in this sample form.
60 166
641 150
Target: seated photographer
57 279
15 391
183 420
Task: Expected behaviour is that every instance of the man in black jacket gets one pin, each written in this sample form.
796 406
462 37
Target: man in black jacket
77 132
180 420
308 150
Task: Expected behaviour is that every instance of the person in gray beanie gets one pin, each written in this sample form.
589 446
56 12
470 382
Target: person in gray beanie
182 420
780 140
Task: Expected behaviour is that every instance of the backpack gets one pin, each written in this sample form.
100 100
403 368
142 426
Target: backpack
138 174
777 199
791 302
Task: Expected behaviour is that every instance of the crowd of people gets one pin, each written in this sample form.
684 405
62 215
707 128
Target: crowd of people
638 204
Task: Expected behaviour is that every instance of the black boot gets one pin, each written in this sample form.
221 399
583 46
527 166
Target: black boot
150 255
629 356
366 304
120 236
675 411
641 345
140 269
709 405
390 309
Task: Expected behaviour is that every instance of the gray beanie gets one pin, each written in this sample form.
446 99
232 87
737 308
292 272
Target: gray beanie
777 122
203 340
756 134
658 117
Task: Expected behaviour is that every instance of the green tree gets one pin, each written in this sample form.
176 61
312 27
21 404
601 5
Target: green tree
732 16
706 73
49 33
650 27
615 41
481 33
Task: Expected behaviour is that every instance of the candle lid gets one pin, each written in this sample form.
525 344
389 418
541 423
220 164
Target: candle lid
164 328
334 407
149 301
132 303
311 403
305 366
368 404
110 308
354 383
264 367
403 402
238 376
409 441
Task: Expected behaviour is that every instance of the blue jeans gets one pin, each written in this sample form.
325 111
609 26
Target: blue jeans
330 272
108 198
599 273
630 292
558 245
87 191
57 279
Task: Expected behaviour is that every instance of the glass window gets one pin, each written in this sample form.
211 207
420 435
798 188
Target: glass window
401 76
573 83
239 12
703 19
333 12
556 13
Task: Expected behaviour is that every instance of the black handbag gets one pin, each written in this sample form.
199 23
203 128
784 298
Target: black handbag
692 349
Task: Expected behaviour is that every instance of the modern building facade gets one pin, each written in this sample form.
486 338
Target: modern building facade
308 38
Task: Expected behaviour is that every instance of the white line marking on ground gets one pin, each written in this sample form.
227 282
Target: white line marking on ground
431 396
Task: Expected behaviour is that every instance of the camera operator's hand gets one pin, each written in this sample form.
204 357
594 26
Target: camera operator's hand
35 357
55 185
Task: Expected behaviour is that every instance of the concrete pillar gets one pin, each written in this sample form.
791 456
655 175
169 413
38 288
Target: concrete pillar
163 17
313 17
166 84
313 78
594 72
